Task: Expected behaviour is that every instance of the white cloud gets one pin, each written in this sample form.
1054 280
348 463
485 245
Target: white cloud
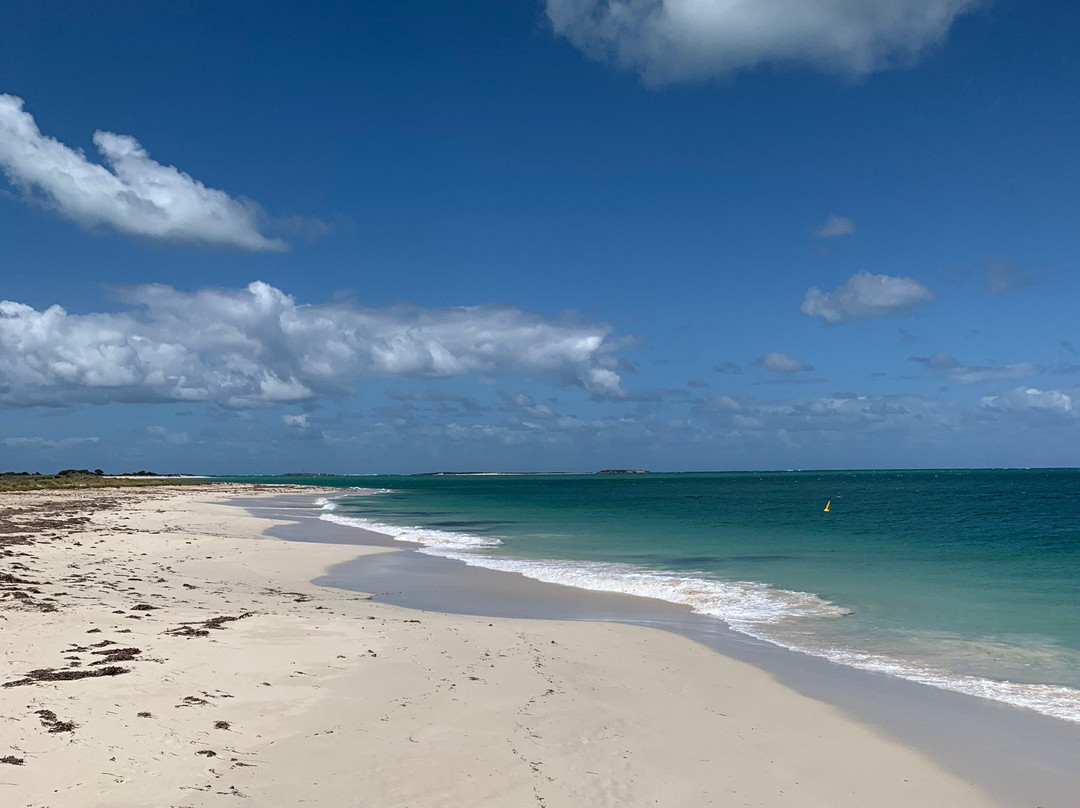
1054 405
866 296
298 421
949 368
677 40
781 363
255 346
131 193
835 226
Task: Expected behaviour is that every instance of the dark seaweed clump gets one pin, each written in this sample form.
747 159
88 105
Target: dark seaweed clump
54 724
203 629
67 675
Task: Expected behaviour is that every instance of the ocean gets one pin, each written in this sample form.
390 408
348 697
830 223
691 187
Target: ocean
968 580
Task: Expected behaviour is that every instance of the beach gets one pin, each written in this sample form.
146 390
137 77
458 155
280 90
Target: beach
160 648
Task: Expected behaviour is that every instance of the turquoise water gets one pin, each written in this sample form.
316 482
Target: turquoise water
968 580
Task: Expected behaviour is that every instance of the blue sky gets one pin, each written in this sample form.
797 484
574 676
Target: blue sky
538 235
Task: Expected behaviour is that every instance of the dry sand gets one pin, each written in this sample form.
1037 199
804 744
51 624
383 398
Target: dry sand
236 678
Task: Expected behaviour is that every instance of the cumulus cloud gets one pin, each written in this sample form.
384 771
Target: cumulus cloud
299 421
131 193
835 226
678 40
950 368
781 363
255 346
1044 403
866 296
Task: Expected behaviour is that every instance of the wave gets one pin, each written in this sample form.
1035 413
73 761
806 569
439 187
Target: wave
740 604
329 504
1057 701
416 535
755 609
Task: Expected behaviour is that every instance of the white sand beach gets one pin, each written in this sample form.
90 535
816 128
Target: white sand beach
234 677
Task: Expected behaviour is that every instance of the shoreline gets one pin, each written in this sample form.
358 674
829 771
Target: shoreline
976 653
1012 751
243 678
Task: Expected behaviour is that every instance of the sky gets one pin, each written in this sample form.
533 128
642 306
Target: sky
539 235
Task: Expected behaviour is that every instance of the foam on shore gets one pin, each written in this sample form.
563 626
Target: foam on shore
752 608
429 538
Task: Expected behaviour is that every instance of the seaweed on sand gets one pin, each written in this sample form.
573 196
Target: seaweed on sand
54 724
116 655
68 675
203 629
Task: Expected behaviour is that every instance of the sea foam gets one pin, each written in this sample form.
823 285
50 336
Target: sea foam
750 608
329 504
428 537
415 535
740 604
1057 701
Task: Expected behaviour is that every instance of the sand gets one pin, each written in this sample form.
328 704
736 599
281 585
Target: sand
234 678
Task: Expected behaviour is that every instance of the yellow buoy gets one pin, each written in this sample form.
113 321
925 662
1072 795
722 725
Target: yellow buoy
827 504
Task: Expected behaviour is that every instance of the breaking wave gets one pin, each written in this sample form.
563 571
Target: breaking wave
751 608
